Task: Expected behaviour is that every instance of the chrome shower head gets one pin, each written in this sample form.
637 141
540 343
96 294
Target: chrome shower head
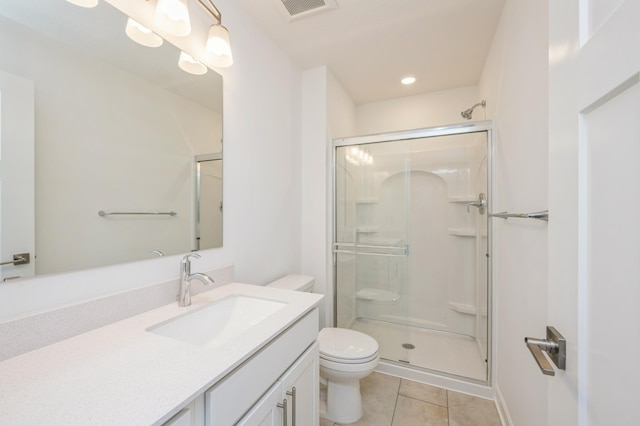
467 113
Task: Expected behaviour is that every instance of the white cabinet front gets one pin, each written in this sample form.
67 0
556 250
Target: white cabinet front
300 387
268 411
287 362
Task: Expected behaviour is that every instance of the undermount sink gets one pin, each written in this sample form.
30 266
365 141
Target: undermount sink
217 323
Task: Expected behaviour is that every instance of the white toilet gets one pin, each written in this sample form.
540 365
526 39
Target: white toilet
346 356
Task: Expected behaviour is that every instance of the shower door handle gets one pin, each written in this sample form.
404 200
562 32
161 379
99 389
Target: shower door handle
480 203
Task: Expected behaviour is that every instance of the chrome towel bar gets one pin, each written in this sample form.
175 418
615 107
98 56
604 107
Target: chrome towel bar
543 215
371 249
103 213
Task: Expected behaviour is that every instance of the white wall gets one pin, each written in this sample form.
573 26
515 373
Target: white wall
262 193
514 83
414 112
327 112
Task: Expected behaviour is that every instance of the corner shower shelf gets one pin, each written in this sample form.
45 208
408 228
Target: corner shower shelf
462 232
463 308
377 295
367 229
466 308
366 201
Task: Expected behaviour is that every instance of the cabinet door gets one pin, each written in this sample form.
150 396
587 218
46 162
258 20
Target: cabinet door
191 415
267 411
300 386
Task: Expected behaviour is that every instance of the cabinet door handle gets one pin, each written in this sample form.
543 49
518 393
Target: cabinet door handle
292 394
284 411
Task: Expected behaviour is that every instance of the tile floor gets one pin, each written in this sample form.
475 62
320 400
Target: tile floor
391 401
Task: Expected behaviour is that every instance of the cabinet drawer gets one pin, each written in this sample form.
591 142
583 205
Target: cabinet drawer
229 399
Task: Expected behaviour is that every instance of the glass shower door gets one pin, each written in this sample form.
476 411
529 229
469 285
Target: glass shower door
371 241
411 248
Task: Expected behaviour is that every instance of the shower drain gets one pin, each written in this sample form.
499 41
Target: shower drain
408 346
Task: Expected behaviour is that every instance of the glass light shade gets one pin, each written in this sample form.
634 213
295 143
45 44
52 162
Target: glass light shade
172 16
84 3
142 35
188 64
218 46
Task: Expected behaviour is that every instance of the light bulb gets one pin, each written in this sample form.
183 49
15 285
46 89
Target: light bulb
218 46
188 64
172 16
142 35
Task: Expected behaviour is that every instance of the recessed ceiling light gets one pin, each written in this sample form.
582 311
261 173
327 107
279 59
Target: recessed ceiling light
408 80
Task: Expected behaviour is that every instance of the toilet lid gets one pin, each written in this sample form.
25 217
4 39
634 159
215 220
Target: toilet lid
344 345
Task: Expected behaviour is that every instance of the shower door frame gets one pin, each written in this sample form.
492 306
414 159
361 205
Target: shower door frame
428 132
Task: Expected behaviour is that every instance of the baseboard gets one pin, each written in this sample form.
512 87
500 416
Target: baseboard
503 411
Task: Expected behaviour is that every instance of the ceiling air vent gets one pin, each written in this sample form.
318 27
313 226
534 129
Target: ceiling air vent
294 9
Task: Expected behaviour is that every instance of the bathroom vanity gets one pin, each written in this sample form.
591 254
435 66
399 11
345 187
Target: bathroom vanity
258 364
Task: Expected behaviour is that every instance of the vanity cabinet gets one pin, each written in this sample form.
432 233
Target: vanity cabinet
191 415
251 394
295 393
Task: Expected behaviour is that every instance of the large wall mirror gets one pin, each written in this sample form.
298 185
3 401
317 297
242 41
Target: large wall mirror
116 128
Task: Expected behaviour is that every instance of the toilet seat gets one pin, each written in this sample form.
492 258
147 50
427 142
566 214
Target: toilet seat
347 370
347 346
349 361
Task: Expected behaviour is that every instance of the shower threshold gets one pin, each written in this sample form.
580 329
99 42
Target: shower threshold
450 353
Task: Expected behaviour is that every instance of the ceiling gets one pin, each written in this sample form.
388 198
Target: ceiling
369 45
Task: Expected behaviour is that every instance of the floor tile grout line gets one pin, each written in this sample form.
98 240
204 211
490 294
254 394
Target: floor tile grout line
448 410
395 406
423 401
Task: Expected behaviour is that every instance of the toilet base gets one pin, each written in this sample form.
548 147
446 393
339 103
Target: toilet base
343 403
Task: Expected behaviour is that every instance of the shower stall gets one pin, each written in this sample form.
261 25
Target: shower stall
412 246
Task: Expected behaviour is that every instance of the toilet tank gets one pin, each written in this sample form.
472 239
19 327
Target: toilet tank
294 282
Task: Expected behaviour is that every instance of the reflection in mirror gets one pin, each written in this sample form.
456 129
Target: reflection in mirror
115 126
208 201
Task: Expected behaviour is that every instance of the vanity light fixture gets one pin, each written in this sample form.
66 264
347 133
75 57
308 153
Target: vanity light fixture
218 44
84 3
172 16
188 64
142 35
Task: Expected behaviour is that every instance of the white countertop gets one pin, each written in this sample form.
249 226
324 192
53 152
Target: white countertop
121 374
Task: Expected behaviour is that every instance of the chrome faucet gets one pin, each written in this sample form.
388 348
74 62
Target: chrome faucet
184 295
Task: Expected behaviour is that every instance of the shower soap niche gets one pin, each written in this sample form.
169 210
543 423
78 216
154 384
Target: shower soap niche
377 295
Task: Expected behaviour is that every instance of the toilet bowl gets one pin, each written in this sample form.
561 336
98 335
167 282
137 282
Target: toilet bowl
346 356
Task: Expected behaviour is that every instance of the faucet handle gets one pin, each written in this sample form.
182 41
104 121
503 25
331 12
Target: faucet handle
188 256
185 263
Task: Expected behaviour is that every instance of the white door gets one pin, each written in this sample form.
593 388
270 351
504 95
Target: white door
594 227
17 219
